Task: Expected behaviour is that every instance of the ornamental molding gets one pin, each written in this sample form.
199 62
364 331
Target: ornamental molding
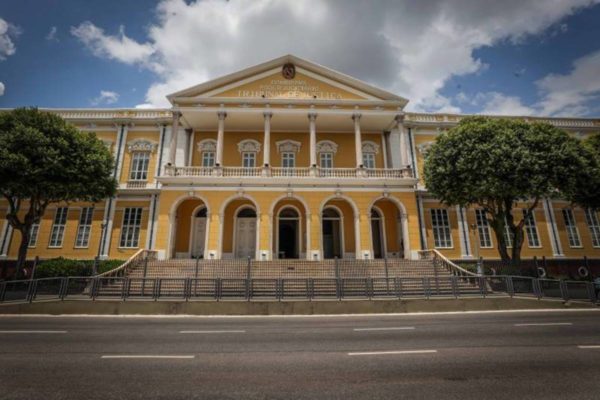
370 147
249 145
207 145
423 148
327 146
141 145
288 146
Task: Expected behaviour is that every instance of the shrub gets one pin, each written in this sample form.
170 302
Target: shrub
60 266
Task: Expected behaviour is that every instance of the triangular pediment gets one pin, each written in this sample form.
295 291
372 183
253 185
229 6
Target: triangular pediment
287 77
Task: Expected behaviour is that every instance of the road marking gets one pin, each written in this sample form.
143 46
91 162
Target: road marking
148 356
379 353
546 324
590 347
33 331
397 328
230 331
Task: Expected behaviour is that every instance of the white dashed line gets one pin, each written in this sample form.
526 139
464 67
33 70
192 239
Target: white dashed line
36 331
398 328
230 331
148 356
547 324
381 353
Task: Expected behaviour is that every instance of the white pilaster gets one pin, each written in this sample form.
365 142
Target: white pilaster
557 250
394 144
120 150
267 139
463 233
220 133
109 215
312 118
182 147
174 138
357 140
5 237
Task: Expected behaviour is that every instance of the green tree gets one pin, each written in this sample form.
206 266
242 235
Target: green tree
496 163
44 160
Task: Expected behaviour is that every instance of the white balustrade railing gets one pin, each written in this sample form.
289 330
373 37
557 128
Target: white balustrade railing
281 172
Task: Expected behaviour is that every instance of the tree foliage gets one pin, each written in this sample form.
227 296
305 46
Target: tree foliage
44 160
496 163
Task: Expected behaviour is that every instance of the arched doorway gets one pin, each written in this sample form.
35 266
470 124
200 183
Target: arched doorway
332 232
377 233
198 235
288 233
245 233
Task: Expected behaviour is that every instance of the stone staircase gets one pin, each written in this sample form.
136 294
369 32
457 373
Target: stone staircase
292 277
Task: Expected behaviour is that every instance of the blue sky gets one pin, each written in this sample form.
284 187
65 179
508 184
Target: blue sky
517 57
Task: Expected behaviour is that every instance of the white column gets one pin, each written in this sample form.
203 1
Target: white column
312 117
221 131
557 250
357 140
5 237
404 144
463 233
174 134
267 139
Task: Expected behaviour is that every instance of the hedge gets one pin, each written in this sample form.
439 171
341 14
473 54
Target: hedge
60 266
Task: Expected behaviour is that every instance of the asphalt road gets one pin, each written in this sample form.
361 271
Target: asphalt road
524 355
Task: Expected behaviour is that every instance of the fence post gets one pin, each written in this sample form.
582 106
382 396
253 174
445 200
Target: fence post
31 290
426 284
564 290
187 289
95 266
454 286
196 269
398 287
2 290
482 286
537 290
338 284
157 286
36 260
145 274
587 266
387 275
64 287
95 283
510 288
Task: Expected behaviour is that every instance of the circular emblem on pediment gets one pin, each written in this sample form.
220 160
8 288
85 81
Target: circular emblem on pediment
288 71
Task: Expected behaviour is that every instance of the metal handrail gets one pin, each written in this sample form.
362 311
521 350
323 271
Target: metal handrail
437 256
141 254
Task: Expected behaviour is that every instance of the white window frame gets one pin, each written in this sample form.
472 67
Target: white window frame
531 230
84 229
369 161
131 227
140 163
57 233
483 229
288 159
442 231
591 218
33 235
247 156
208 159
571 228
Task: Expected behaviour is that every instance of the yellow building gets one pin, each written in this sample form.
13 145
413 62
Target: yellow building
286 159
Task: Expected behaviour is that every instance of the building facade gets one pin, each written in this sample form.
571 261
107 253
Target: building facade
286 159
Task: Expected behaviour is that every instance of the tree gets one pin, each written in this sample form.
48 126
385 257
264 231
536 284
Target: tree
45 160
496 163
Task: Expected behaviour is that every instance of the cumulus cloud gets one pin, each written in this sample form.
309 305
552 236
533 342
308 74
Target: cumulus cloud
569 94
407 47
501 104
8 32
51 36
105 97
1 89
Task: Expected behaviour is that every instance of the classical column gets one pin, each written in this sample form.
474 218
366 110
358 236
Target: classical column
221 131
312 118
267 139
174 134
357 140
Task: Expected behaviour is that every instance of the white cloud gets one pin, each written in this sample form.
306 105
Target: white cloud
105 97
500 104
120 48
51 36
410 48
2 89
8 32
569 94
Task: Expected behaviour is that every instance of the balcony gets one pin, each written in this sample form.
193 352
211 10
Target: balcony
280 175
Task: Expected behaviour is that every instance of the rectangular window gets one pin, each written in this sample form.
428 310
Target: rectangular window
58 227
571 226
130 230
326 160
208 159
591 217
507 234
440 223
33 235
369 160
483 229
533 237
288 160
85 227
248 159
139 166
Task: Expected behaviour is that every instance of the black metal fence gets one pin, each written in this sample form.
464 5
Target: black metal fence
277 289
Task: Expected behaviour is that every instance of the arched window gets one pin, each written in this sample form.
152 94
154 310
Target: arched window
207 149
247 213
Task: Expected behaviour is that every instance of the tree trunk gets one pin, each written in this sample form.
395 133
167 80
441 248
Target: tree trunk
22 255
